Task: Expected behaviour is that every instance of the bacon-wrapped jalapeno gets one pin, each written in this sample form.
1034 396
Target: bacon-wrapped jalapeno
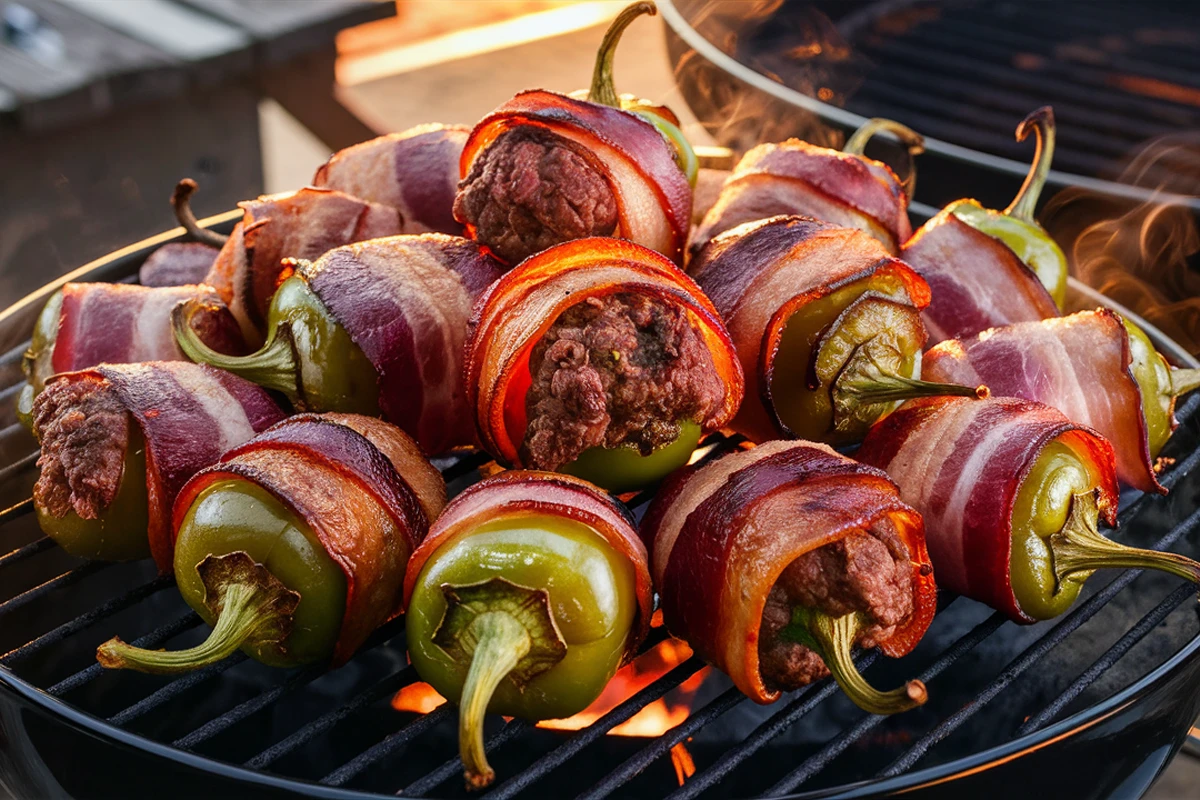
178 264
827 326
374 327
293 225
1012 493
120 440
599 358
293 546
86 324
794 177
1095 367
529 593
774 563
545 168
415 172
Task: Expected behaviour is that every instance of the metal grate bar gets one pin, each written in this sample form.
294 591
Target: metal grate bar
1110 657
86 620
153 639
17 467
16 355
66 579
19 510
659 747
174 689
383 688
22 553
1069 624
259 702
393 742
465 465
446 771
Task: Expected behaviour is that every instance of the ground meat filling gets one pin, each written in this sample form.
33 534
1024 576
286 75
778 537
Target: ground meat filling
84 432
868 573
532 189
621 369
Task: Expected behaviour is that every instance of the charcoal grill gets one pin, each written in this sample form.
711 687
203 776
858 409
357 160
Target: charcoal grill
1093 704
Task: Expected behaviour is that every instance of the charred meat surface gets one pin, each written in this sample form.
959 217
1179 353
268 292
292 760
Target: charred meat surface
620 369
867 573
532 189
84 431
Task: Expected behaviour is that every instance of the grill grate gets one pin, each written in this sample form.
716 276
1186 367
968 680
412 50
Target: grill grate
413 755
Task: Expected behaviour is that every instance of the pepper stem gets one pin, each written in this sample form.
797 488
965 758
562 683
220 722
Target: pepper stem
251 607
272 367
603 90
506 632
880 388
1079 547
1041 122
913 142
180 201
832 638
1184 381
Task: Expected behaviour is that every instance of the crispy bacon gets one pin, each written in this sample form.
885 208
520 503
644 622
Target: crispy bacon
178 264
406 300
511 317
760 273
961 462
116 323
720 537
1080 364
348 477
654 200
303 224
976 281
795 177
415 172
522 492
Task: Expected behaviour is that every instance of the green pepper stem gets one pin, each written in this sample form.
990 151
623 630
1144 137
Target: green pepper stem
832 638
501 643
914 144
272 367
603 90
251 607
1184 381
882 388
1079 547
1041 122
181 202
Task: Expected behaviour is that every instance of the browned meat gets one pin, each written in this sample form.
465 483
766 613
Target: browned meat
178 264
84 431
532 189
869 573
612 370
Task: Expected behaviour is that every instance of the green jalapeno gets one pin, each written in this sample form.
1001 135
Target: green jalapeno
913 142
845 359
1160 384
308 356
527 615
1016 226
603 91
118 533
1056 543
257 573
625 469
36 363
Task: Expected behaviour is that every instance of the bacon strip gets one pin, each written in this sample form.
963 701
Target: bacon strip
977 282
795 177
760 274
654 200
415 172
961 463
178 264
335 473
1080 364
303 224
116 323
720 537
511 317
406 300
521 493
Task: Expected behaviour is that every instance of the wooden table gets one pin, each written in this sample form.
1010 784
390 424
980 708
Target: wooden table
105 104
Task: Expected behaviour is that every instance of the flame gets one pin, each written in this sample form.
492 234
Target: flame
418 698
681 759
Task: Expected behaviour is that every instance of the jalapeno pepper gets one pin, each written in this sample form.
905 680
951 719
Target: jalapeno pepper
1160 383
1016 226
529 593
913 143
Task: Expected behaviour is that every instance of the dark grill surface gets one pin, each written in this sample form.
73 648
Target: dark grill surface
989 680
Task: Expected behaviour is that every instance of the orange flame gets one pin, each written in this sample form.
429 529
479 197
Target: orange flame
681 759
418 698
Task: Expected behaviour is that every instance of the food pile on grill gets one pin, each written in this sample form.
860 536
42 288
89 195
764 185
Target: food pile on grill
258 416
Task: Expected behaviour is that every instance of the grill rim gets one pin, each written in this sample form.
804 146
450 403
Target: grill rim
124 261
